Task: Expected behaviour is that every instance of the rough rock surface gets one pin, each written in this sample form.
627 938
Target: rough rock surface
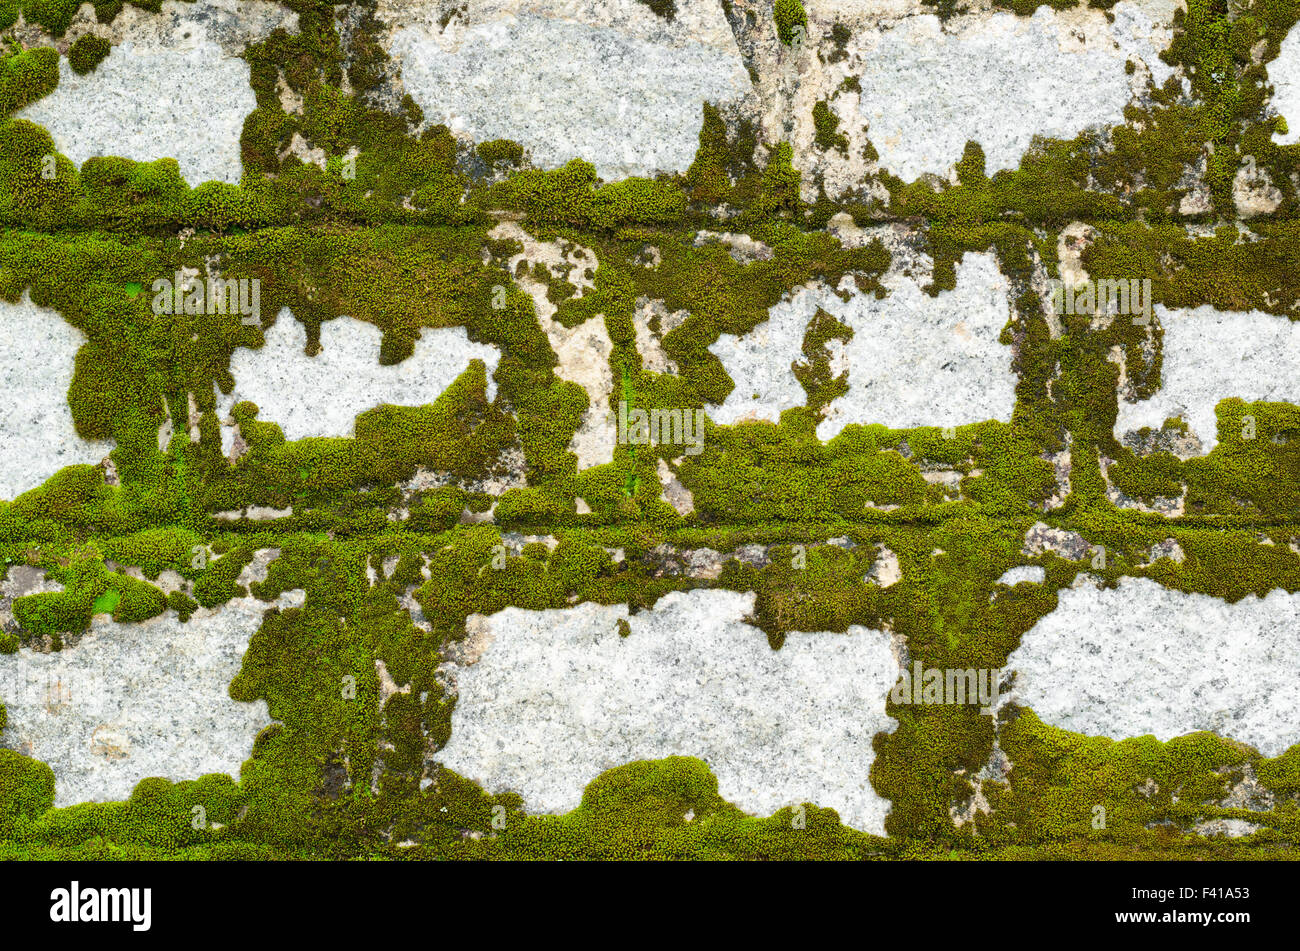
1198 664
917 89
172 87
1211 355
1000 80
322 395
1284 74
766 386
37 351
653 322
131 701
913 360
558 696
1034 574
567 82
1042 538
876 99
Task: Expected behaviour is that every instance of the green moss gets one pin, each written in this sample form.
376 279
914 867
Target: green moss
26 790
1027 7
54 15
218 583
182 604
840 36
667 9
707 179
51 613
138 601
27 76
827 124
500 151
572 196
778 190
946 9
87 53
814 373
789 16
106 602
670 809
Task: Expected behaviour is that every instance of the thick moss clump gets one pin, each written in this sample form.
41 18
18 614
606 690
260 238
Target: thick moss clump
26 790
26 76
87 53
790 17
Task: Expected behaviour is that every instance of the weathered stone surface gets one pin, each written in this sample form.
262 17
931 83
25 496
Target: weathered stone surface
321 395
1210 355
912 361
569 81
172 87
999 80
1097 161
37 352
1284 74
1199 664
130 701
558 696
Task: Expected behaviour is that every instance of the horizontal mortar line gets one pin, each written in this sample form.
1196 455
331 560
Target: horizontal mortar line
828 528
365 226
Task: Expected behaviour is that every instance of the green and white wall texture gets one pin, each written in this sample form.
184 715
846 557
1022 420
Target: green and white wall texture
650 429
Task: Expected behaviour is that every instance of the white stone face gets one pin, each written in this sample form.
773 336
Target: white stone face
1000 80
566 89
556 697
38 350
916 360
1144 659
322 395
913 360
758 362
1031 573
146 103
1212 355
1284 74
132 701
173 86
